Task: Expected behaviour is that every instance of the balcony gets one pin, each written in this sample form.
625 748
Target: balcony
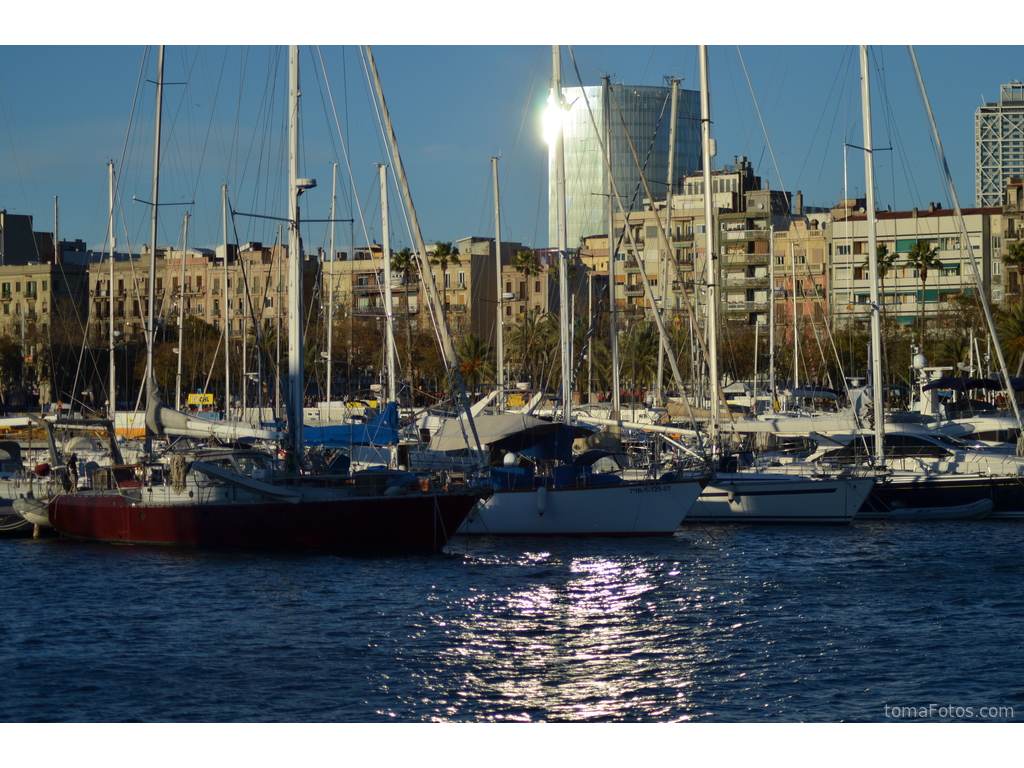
746 282
634 290
744 234
746 306
745 258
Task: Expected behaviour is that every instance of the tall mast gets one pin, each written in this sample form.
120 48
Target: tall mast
434 301
150 338
771 314
663 266
330 289
876 322
558 161
711 243
796 324
226 303
389 311
295 351
500 317
181 321
965 244
613 324
112 407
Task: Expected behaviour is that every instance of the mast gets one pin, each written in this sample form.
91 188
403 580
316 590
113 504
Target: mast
876 323
181 322
434 301
389 312
613 325
558 160
227 304
330 289
150 338
965 245
663 266
296 187
711 243
500 317
796 325
112 406
771 314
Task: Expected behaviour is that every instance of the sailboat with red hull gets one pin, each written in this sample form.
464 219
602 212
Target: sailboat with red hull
245 498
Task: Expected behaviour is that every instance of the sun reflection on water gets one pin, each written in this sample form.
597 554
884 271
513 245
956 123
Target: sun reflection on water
584 639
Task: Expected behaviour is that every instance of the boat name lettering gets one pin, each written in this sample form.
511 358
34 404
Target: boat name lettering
649 489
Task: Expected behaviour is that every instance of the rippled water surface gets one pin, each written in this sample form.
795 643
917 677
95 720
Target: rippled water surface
713 624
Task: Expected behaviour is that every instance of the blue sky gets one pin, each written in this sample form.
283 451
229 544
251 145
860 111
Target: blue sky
66 110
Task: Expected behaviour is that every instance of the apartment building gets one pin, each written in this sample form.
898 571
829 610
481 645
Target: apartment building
903 295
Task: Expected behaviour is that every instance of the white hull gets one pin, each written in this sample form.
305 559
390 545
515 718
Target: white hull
35 511
621 510
765 498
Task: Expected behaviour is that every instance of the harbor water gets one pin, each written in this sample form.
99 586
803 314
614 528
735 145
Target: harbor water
874 622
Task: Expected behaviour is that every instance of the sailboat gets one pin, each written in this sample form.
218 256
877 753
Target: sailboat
231 497
735 496
572 499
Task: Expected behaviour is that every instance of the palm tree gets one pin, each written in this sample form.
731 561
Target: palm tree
443 255
1014 257
922 257
886 261
406 263
525 263
1011 332
475 360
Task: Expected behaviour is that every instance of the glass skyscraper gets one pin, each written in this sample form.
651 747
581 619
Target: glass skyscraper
998 144
645 111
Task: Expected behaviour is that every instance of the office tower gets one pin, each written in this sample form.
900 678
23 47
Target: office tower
644 110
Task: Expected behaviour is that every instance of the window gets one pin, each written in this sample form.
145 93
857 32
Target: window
268 302
44 286
842 250
462 279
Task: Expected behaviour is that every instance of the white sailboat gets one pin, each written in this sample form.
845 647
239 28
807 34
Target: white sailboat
759 496
573 500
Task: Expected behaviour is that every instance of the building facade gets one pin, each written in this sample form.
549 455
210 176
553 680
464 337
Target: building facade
998 144
903 296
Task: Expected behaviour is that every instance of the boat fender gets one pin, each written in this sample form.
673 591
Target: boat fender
732 495
542 500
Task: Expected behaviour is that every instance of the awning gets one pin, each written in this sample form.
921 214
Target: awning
961 383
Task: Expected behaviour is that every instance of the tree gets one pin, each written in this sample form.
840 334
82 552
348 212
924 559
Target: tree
405 262
886 261
922 257
1014 257
10 364
475 360
443 255
1010 327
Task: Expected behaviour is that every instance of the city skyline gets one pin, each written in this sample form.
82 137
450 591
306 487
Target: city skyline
66 111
